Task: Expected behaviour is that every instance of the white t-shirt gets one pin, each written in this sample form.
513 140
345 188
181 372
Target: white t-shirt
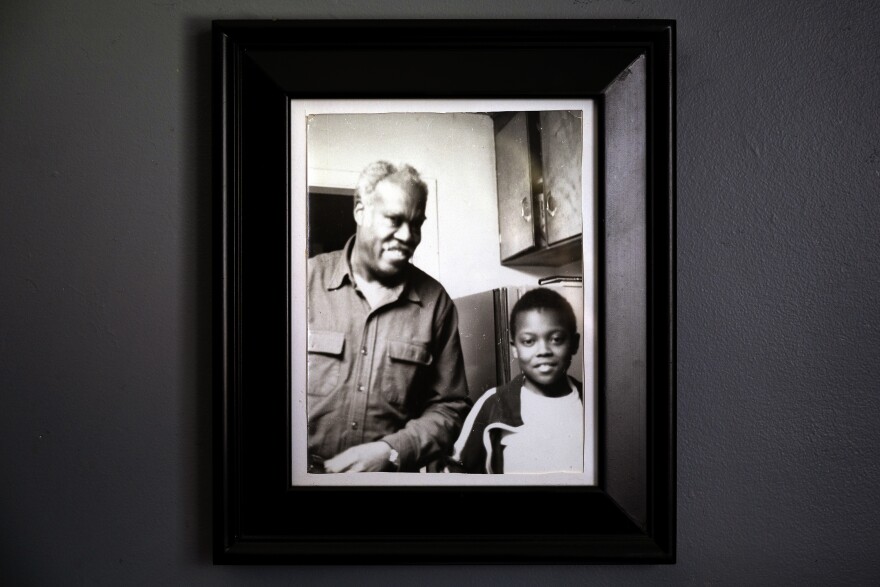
551 438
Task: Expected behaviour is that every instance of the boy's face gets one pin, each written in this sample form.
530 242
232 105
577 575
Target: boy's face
544 347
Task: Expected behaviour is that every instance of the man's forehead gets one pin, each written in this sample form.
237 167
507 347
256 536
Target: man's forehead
392 195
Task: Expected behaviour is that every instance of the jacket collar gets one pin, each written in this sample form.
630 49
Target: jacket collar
511 406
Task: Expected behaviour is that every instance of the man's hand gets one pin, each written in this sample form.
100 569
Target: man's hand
372 456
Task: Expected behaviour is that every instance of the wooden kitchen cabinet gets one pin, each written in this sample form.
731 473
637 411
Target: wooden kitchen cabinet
514 177
538 159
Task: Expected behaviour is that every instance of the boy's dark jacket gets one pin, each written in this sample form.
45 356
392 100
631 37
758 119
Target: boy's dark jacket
496 415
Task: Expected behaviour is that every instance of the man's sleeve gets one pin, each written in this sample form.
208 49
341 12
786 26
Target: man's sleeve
446 402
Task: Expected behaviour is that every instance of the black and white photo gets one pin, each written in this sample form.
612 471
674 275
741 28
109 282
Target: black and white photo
443 262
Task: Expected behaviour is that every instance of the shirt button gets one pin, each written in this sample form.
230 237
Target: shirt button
354 425
364 351
360 387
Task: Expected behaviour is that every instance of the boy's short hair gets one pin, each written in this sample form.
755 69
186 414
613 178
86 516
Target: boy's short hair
543 298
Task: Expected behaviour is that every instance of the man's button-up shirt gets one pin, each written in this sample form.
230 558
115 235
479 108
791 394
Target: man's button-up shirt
393 373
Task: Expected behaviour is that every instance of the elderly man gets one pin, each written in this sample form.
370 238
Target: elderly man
386 382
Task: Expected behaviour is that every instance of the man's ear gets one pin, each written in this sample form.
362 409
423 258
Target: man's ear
513 349
575 342
358 210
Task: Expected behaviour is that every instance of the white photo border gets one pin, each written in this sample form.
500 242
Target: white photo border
299 111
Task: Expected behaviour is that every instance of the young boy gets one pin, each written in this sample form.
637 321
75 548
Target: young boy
535 423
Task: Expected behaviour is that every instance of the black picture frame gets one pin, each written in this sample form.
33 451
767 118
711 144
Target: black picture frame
628 67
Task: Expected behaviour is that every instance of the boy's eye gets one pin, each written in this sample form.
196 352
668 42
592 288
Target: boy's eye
526 341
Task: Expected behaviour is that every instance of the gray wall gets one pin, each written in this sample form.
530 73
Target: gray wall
105 293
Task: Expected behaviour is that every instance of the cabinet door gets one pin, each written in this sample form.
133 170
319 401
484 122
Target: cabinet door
512 168
562 151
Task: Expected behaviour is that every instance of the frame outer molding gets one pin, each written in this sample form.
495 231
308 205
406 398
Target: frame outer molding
631 514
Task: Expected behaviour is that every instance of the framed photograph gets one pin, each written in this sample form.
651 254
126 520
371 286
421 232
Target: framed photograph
444 291
498 243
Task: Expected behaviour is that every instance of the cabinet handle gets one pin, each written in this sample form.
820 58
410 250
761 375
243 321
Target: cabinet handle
525 209
551 209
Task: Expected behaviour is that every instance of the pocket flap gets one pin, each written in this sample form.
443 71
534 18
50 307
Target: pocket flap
326 342
409 351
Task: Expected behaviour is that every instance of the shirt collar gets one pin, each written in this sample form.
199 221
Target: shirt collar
342 271
341 268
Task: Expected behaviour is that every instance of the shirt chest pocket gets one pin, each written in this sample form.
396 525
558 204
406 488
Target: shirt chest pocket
403 367
326 353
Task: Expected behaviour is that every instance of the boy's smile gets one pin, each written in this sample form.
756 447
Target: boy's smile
544 347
